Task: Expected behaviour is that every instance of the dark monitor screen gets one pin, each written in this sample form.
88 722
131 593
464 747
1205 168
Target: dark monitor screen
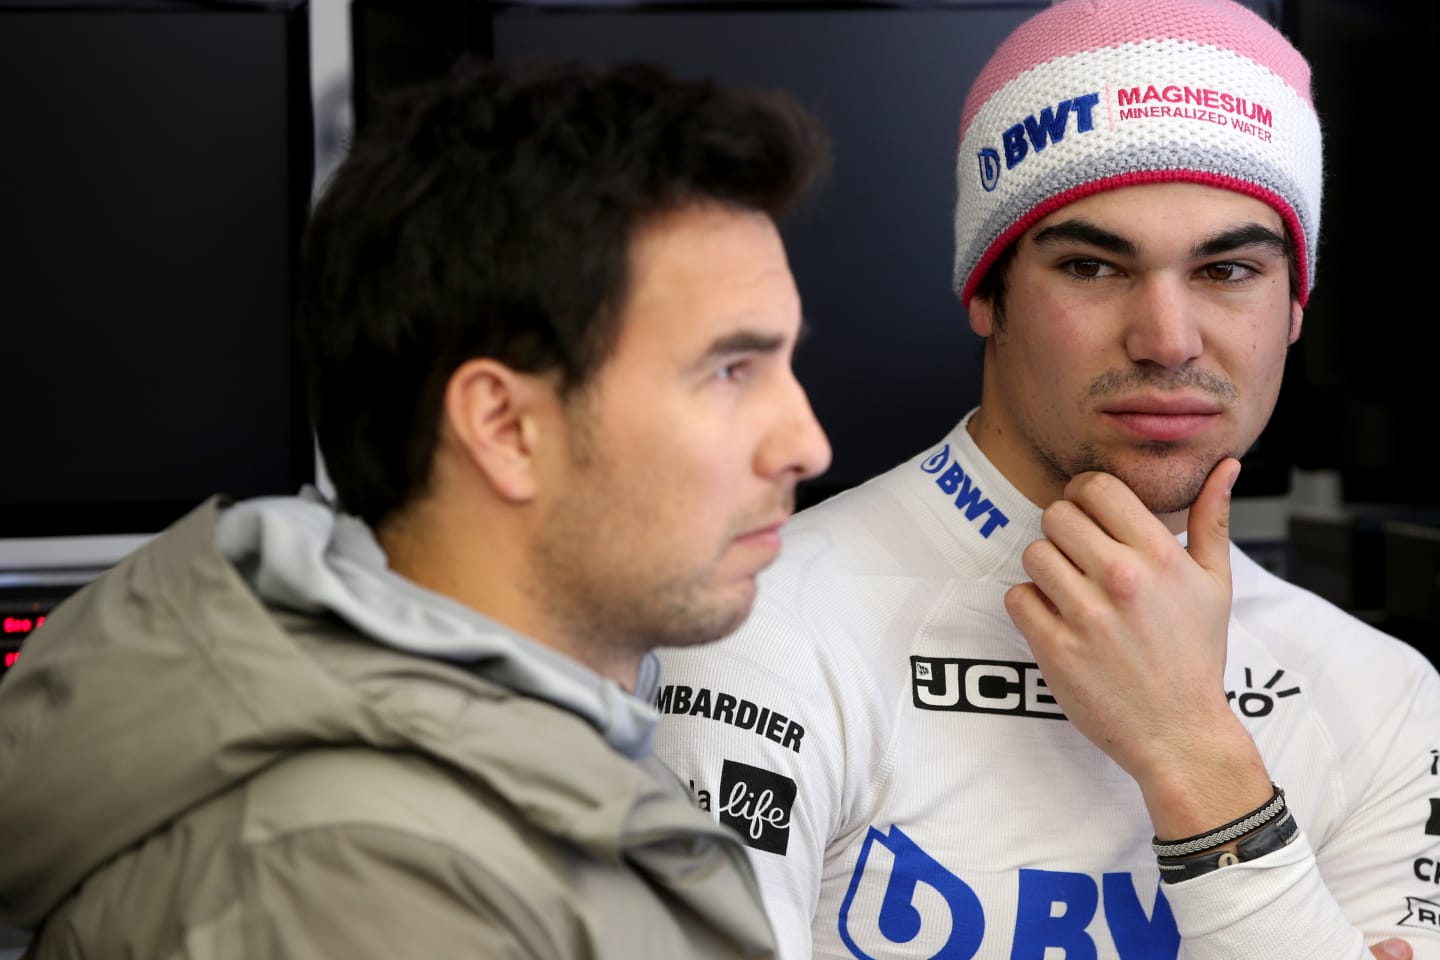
1359 397
157 171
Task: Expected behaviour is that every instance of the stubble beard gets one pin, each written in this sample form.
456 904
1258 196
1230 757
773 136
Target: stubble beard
1165 480
626 604
1167 477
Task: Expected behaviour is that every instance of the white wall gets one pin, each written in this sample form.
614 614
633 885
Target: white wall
330 82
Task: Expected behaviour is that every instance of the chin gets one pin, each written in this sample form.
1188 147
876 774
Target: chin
709 620
1167 497
1168 484
735 609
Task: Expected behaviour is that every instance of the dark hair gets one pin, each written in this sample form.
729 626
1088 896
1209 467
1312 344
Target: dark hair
991 287
489 214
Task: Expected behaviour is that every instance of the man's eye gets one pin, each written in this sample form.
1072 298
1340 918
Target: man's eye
1228 272
1086 268
735 370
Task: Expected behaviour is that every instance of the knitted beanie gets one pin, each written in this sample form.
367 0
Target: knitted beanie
1092 95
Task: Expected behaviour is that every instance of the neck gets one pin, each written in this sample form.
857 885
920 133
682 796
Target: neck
478 565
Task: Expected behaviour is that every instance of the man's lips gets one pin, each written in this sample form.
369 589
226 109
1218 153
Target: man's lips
766 534
1165 419
771 529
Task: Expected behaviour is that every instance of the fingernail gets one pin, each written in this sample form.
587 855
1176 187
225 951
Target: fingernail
1395 948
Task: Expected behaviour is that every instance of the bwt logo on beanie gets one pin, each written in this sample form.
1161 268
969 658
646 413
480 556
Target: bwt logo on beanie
1034 131
1092 95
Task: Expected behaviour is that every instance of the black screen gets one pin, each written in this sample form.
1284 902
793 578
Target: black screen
157 171
1359 395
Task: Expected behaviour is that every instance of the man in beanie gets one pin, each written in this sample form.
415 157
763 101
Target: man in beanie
989 703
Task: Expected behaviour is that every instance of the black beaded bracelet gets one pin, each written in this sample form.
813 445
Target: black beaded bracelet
1275 834
1238 827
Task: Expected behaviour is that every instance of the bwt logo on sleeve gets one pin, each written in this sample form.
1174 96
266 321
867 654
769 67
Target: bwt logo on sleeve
1036 133
969 499
756 804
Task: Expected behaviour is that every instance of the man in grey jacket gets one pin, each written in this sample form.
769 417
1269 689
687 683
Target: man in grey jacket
547 321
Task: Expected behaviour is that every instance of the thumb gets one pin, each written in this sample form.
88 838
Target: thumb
1393 949
1208 525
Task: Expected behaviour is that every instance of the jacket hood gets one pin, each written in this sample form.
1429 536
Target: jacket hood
298 553
214 651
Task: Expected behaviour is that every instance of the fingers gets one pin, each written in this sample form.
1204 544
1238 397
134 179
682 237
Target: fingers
1209 521
1102 544
1091 541
1098 510
1030 610
1102 500
1127 626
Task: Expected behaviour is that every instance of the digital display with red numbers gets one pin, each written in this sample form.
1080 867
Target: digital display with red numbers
20 626
23 608
13 630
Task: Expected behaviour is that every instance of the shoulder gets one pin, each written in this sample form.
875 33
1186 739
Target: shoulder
548 864
376 839
844 559
1338 666
831 609
406 808
333 852
1300 623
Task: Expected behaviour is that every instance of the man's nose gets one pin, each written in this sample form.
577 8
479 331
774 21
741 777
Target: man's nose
796 444
1163 323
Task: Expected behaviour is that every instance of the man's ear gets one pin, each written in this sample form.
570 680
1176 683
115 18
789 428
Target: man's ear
490 414
982 316
1297 314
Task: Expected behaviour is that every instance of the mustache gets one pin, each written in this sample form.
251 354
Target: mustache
782 505
787 500
1121 381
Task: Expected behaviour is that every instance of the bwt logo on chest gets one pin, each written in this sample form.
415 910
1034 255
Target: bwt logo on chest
1036 133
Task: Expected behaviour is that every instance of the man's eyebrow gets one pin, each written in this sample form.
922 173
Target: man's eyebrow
1248 235
744 341
1226 241
1087 232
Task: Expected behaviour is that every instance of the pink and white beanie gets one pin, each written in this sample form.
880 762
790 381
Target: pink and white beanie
1091 95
